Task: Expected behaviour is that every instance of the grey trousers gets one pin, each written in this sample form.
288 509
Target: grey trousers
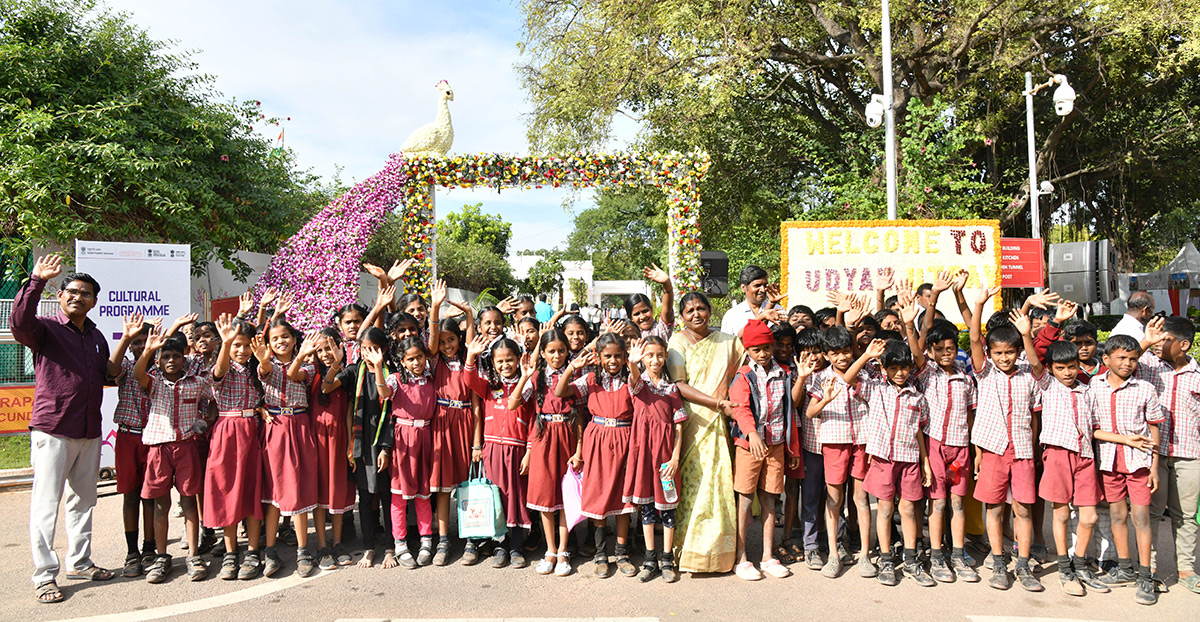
62 465
1177 498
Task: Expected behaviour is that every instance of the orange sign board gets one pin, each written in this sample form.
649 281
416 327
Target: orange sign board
16 408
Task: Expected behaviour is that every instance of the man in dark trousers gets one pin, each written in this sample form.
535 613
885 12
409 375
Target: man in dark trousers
70 364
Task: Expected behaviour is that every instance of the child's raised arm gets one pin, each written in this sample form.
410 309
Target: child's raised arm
829 391
437 297
1025 327
374 358
153 342
131 325
385 297
528 371
307 348
956 285
978 357
660 276
227 331
1154 334
805 366
908 316
564 388
874 351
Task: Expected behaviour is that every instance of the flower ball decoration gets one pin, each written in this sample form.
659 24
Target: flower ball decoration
320 264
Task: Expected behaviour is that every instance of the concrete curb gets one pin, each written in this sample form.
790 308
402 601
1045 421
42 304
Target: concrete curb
14 478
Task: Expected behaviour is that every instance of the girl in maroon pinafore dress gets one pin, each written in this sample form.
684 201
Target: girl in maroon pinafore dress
455 424
605 444
335 496
658 418
505 435
414 405
554 446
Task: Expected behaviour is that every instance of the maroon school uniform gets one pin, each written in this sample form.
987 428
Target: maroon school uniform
605 443
551 449
453 426
289 449
657 408
414 404
505 435
329 424
233 475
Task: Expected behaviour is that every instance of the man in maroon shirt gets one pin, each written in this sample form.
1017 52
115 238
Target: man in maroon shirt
70 365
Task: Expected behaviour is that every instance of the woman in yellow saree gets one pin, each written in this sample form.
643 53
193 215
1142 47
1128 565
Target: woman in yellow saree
702 362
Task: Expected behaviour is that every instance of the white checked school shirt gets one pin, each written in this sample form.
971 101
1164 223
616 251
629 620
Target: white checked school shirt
1004 413
771 388
896 415
810 429
842 420
951 398
1128 409
280 392
1067 416
1179 396
175 408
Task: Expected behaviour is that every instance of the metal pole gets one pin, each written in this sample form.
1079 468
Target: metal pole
1033 187
889 113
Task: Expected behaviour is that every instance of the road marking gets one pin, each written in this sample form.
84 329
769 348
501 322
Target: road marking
212 602
1021 619
497 620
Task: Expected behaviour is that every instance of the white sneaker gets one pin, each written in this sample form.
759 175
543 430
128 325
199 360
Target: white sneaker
747 571
546 566
563 567
775 569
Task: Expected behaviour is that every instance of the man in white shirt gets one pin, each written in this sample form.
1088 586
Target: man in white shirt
1139 310
753 282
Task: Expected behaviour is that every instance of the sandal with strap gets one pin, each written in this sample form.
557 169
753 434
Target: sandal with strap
784 555
48 592
196 570
91 573
133 566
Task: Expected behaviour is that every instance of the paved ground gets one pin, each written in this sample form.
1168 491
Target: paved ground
457 591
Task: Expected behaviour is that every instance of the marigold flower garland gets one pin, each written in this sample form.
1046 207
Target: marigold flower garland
320 264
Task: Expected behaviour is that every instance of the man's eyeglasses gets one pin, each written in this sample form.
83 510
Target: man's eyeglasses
81 294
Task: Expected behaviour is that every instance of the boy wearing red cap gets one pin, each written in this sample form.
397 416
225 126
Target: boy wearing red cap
763 431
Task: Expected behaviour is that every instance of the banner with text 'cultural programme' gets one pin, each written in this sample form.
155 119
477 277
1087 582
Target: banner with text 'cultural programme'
853 256
152 279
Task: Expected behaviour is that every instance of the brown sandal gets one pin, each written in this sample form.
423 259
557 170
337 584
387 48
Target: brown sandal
784 555
48 592
91 573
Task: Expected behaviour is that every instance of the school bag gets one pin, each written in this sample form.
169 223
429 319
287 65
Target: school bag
480 511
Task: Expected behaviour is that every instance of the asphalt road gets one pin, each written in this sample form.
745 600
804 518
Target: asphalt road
457 591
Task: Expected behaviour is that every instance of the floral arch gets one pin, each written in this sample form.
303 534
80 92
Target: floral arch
320 263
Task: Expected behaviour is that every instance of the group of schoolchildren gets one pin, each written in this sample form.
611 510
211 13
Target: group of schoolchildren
888 405
256 425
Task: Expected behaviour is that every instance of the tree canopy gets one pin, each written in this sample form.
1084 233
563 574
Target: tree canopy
107 134
776 93
472 226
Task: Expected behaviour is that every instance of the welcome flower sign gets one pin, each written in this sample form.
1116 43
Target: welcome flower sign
856 256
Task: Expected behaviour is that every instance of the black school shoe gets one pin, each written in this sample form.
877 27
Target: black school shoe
499 557
916 571
963 570
999 580
1119 576
1090 581
887 573
470 554
1029 582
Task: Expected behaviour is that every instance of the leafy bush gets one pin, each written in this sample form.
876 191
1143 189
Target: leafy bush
473 267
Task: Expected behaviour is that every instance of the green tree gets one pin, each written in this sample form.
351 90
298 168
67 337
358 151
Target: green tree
472 226
775 92
545 276
473 267
578 290
625 231
107 134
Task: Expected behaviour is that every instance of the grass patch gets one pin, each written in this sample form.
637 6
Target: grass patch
14 451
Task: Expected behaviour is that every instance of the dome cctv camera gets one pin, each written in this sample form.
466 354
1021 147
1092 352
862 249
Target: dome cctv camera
1046 187
874 110
1064 96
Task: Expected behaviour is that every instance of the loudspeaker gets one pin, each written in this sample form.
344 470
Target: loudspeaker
1078 287
714 273
1073 257
1109 277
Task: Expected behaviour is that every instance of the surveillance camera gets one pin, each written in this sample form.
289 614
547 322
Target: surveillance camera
874 110
1064 96
1046 187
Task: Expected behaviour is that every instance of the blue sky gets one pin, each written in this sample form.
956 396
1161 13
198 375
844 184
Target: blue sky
357 76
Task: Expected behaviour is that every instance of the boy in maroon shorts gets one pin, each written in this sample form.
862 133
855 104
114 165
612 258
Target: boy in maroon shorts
899 464
765 443
173 422
1126 422
1004 430
1068 468
130 418
842 409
